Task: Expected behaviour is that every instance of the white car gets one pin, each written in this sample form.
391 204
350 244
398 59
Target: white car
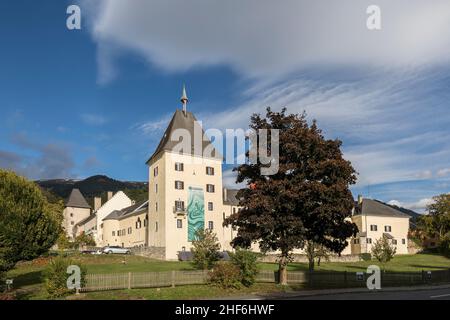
116 250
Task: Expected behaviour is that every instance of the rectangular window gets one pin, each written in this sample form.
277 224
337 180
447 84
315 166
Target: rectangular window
210 206
179 223
156 226
156 206
210 225
369 240
179 166
156 188
356 241
179 206
155 172
394 242
373 227
113 233
234 210
403 241
130 230
210 188
179 185
387 228
223 215
210 171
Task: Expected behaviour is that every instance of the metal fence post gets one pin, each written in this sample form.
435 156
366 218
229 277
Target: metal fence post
129 280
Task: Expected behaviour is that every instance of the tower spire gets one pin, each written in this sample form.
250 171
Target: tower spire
184 99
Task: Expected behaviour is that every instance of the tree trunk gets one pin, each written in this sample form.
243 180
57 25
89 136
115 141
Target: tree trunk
310 253
311 264
282 271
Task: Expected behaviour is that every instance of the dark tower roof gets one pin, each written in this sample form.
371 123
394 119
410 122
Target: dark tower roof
76 200
187 121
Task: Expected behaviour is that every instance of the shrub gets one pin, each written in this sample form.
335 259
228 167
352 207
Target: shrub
55 277
383 251
365 256
205 249
246 261
225 275
29 224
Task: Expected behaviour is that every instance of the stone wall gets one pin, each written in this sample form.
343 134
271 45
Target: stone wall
158 253
304 259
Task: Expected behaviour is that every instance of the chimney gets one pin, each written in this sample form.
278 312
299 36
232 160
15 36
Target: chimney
97 203
225 194
360 199
110 195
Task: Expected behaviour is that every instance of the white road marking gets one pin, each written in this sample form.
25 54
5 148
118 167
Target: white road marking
440 296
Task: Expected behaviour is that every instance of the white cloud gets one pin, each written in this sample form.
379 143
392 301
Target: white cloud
426 174
265 38
443 172
154 127
229 180
419 206
93 119
381 120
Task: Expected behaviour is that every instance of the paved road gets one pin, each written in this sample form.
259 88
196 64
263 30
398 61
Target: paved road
429 294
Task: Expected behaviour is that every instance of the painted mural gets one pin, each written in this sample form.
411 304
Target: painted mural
196 211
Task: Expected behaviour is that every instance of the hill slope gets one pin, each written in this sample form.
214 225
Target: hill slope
94 186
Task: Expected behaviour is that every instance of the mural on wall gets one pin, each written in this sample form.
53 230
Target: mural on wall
196 212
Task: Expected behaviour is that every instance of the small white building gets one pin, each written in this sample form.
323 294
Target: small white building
76 209
375 220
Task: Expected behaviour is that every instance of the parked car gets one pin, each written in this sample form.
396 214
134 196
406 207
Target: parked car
88 252
116 250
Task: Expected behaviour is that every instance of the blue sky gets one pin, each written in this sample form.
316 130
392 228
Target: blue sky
96 100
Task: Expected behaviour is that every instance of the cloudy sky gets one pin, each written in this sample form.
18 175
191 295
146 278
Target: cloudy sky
96 100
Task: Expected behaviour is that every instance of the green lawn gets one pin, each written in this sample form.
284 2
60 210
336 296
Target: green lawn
28 276
192 292
405 263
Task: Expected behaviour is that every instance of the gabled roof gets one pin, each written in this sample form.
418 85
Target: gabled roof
76 200
137 208
371 207
85 220
187 121
113 215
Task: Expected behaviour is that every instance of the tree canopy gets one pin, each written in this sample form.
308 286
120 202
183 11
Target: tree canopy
308 199
29 225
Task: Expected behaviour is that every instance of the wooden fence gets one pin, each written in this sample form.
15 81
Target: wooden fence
130 280
98 282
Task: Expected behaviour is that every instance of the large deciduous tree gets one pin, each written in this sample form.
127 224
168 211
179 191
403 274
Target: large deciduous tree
29 225
436 224
308 199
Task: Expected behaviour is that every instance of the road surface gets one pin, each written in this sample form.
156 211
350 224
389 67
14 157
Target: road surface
428 294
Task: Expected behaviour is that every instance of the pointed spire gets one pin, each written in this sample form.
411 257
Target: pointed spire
184 99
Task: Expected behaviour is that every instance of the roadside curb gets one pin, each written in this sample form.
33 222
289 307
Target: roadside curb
324 292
